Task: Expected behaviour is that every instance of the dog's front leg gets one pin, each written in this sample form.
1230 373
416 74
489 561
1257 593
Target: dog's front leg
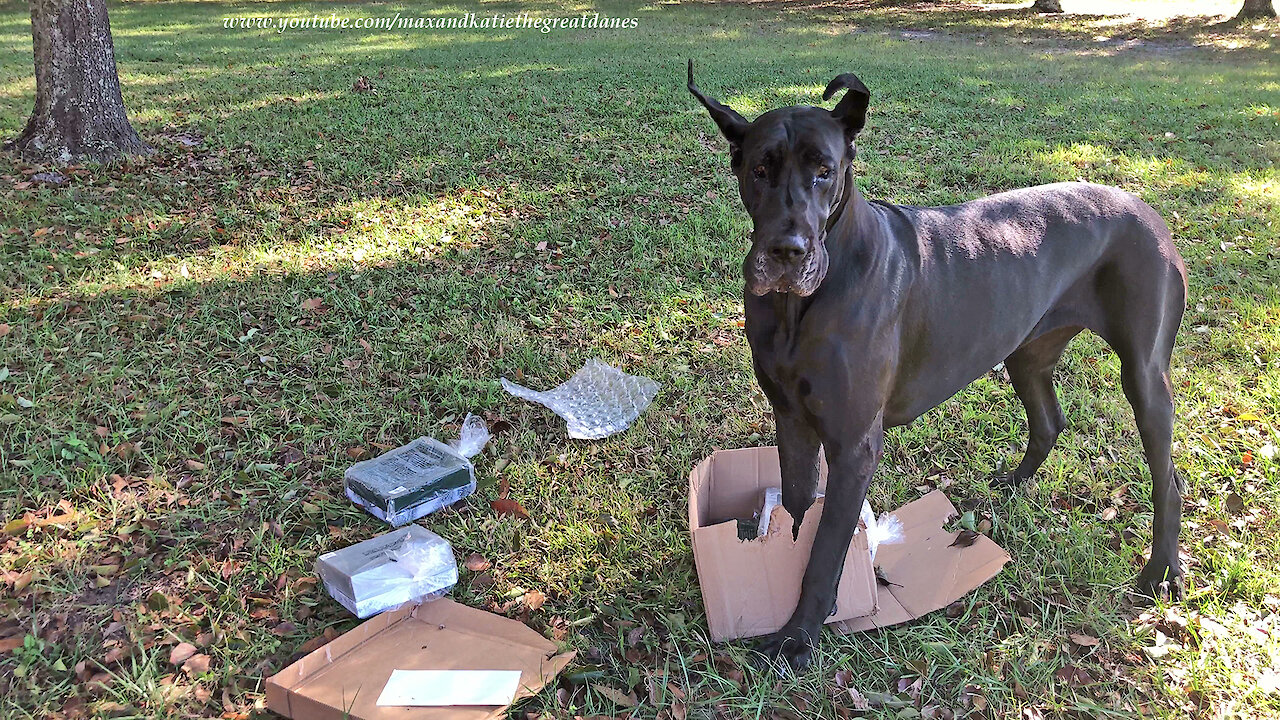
798 454
851 465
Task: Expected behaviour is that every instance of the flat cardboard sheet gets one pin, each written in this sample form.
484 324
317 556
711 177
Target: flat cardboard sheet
928 572
344 678
751 588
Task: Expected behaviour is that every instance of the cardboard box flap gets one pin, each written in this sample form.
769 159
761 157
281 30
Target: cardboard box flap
927 572
749 471
344 678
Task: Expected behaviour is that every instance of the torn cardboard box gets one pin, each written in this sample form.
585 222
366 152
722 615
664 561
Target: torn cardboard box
346 678
751 587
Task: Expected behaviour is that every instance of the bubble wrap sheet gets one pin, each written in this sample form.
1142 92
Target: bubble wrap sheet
598 401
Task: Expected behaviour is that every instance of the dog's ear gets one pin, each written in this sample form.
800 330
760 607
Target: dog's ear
732 125
851 111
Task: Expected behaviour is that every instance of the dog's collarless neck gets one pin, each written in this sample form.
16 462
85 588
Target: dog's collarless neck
838 209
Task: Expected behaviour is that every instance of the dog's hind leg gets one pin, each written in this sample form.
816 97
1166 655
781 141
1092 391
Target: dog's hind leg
1030 370
1147 387
1142 335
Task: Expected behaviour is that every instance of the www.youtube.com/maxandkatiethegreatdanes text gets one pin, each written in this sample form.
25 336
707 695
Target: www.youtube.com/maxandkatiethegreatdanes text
466 21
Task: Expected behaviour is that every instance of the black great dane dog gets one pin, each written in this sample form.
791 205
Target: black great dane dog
864 315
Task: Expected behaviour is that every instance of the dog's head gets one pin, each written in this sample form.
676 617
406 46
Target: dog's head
793 168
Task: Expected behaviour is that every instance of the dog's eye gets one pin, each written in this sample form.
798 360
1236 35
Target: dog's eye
759 172
824 172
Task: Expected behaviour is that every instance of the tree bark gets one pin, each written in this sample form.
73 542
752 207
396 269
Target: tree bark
1047 6
1256 9
79 113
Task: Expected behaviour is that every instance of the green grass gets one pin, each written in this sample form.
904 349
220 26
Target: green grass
164 389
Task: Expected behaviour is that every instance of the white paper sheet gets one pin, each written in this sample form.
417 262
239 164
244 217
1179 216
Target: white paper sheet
423 688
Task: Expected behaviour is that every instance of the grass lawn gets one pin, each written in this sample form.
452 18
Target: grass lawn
195 346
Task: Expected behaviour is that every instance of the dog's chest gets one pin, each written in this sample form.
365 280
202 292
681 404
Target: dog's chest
780 354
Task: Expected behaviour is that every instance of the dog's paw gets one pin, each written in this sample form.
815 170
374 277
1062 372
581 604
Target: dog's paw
1160 581
1005 482
791 648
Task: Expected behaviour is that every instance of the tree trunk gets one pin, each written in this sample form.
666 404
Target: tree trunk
1047 6
79 113
1256 9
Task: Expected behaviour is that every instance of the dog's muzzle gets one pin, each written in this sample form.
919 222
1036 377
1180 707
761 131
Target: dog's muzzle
789 265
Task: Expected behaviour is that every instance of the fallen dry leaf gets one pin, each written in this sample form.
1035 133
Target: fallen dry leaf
22 580
1084 640
5 329
198 663
181 653
1234 504
15 527
534 599
507 506
62 519
475 562
1072 675
964 539
10 643
628 700
312 304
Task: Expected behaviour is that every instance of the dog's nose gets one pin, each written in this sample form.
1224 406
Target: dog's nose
789 249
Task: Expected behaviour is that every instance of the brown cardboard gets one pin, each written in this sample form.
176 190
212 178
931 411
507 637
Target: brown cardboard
928 572
751 587
344 678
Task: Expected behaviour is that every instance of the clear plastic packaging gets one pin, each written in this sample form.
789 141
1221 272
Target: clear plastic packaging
598 401
404 484
772 499
411 564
